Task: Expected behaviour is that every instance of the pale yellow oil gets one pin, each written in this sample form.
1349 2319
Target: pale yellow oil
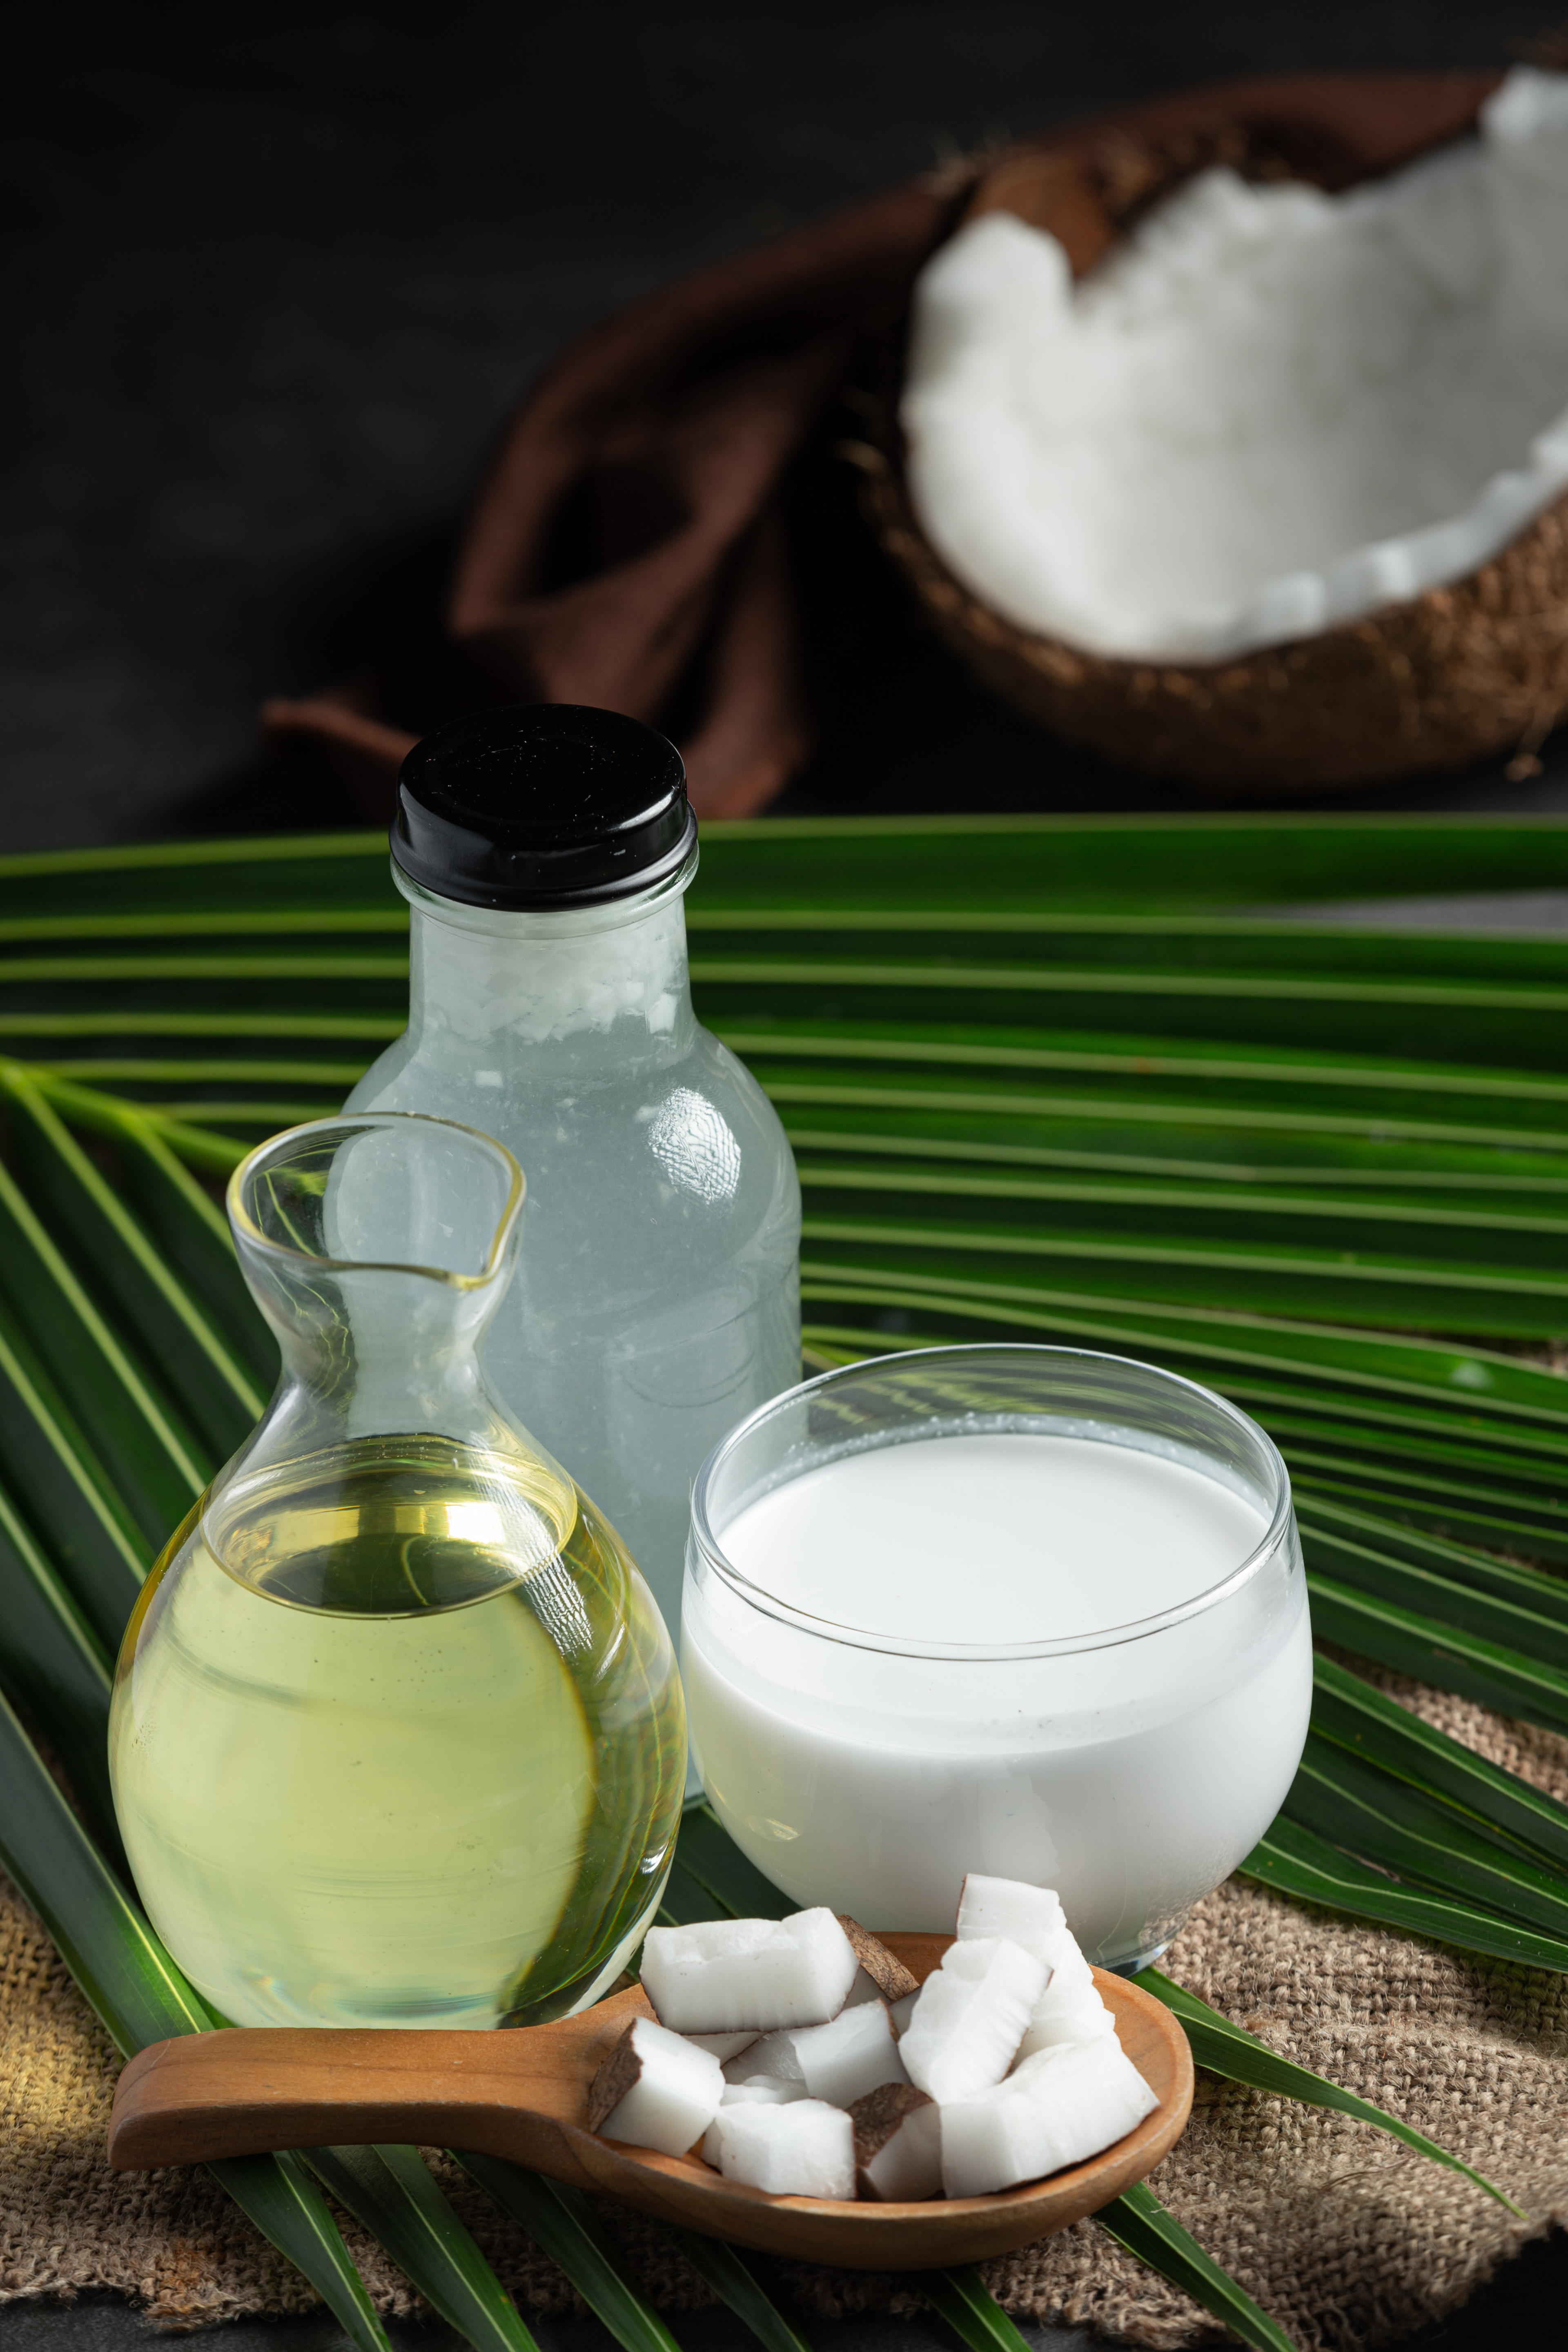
397 1740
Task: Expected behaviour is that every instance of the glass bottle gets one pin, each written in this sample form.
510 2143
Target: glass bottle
545 852
396 1735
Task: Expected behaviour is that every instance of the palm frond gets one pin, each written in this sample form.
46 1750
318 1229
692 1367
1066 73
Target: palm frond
561 2220
736 2283
1295 1860
961 2297
391 2192
1047 1079
1347 1710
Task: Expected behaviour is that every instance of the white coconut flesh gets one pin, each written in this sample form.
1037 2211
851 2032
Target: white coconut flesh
1268 411
1008 2036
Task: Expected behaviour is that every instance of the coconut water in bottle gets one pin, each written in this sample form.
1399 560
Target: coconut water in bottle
545 852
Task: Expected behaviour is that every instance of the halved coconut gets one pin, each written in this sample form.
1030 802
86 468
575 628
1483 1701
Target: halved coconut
1272 496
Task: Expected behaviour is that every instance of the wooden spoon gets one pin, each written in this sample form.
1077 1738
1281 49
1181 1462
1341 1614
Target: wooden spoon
524 2095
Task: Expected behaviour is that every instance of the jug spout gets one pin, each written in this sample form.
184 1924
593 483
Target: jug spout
378 1247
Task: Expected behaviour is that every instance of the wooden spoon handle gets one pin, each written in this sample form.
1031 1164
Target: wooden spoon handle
522 2094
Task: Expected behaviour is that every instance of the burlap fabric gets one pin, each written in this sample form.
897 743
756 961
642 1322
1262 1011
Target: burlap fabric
1347 2238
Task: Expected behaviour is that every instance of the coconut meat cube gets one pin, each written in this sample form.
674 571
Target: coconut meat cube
727 1976
1030 1915
803 2149
897 2143
850 2055
654 2090
1070 2009
972 2013
766 2092
1075 2014
1060 2106
770 2055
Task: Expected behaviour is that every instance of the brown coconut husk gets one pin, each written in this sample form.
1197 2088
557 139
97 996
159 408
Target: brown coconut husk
1456 674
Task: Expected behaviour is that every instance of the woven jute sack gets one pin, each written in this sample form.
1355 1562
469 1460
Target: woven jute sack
1346 2237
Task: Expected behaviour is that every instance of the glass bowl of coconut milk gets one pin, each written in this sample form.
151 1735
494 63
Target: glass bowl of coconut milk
1026 1611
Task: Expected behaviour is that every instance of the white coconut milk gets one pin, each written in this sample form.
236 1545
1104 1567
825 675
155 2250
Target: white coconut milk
860 1767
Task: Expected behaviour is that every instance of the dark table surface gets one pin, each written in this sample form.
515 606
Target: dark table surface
277 272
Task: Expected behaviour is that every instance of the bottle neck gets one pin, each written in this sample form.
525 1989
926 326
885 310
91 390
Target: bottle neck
584 992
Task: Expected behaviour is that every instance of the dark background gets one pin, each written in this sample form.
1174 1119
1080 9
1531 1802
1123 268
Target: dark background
276 273
281 270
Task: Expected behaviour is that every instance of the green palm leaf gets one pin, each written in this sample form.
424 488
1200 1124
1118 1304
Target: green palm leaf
88 1214
63 1487
391 2193
1348 1711
961 2297
737 2285
1421 1839
1296 1861
1244 1144
728 1882
561 2220
52 1665
157 1467
1435 1651
1502 1600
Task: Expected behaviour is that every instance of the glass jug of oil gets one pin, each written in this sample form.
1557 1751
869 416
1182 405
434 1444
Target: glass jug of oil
397 1737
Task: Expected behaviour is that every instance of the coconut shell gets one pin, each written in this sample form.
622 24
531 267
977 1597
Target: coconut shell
890 1976
620 2071
1456 674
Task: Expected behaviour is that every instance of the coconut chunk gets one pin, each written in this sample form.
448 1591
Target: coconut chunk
766 2092
1060 2106
897 2143
1030 1915
803 2149
850 2055
1072 2013
722 2046
880 1966
1070 2009
729 1976
969 2016
771 2057
654 2090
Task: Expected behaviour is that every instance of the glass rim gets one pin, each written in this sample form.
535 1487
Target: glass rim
368 1122
1064 1645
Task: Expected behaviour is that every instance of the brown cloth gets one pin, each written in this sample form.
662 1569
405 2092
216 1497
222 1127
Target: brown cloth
1343 2235
631 544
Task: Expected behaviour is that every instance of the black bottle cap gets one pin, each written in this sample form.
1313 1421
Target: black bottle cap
542 804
